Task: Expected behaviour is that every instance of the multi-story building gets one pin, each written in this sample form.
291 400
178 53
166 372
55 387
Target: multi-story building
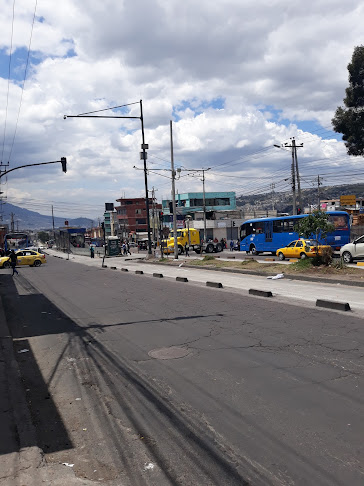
111 223
132 216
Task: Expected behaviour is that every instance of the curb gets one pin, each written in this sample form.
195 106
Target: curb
217 285
329 304
261 293
158 275
261 274
181 279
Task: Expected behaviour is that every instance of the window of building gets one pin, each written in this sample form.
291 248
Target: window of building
138 211
141 221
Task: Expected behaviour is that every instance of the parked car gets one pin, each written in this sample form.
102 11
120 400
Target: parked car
352 251
25 257
301 248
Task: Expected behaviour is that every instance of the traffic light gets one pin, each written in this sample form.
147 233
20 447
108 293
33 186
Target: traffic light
170 207
299 210
64 164
103 225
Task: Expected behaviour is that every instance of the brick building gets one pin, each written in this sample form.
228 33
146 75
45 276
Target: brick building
132 216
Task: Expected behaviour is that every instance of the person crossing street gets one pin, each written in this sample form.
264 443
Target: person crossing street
13 262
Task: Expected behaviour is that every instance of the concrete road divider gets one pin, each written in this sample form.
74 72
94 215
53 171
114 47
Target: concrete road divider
139 272
261 293
158 275
329 304
124 270
217 285
113 268
181 279
103 266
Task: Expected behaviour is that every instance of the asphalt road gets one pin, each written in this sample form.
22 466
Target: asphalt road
137 380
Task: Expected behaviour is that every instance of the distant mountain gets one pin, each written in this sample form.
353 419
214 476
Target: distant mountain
31 220
283 200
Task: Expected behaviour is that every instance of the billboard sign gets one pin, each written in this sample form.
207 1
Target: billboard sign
349 200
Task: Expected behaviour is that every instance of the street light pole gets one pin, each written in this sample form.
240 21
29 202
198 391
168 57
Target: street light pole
143 154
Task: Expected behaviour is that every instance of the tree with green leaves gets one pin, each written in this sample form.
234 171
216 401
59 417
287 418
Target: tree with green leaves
43 236
350 120
316 223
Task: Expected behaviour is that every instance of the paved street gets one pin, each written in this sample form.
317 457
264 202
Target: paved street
139 380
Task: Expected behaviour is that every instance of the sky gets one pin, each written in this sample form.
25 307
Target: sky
235 77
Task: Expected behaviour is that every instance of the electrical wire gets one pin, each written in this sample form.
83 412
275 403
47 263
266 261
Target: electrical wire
8 89
25 75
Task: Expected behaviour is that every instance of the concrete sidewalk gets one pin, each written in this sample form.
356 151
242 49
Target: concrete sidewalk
287 290
21 460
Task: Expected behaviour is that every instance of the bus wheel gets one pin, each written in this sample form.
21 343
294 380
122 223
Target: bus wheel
281 256
253 250
303 256
180 250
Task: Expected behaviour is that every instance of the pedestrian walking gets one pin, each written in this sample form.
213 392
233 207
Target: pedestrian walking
13 261
128 248
124 249
187 249
92 251
231 245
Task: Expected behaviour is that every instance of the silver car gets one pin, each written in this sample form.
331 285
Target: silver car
352 251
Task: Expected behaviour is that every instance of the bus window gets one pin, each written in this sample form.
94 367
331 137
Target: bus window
340 222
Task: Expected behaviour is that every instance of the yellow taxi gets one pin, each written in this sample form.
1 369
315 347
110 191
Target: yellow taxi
301 248
24 257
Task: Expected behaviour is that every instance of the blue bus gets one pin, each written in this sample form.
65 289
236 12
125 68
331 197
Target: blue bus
14 241
269 234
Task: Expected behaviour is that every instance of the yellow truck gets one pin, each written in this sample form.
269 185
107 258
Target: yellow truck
193 242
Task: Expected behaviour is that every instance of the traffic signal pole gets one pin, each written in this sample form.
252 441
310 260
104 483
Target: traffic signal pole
63 161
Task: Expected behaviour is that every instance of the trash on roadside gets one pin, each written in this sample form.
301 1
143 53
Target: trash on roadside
84 429
78 398
23 351
180 265
275 277
67 464
148 465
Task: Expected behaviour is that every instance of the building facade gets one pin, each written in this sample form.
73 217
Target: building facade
111 223
132 216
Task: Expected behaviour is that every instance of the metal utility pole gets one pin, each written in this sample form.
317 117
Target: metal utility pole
173 196
294 174
143 154
272 186
297 174
53 223
204 205
319 183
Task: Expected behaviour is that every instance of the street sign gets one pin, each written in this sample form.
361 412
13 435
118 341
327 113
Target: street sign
349 200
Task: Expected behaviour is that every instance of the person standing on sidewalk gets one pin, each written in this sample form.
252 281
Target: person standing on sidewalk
13 261
92 251
187 248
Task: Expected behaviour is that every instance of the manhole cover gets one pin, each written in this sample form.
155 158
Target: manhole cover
172 352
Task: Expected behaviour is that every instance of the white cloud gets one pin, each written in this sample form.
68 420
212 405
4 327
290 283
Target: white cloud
267 62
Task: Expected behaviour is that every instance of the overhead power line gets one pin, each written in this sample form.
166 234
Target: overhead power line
23 84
